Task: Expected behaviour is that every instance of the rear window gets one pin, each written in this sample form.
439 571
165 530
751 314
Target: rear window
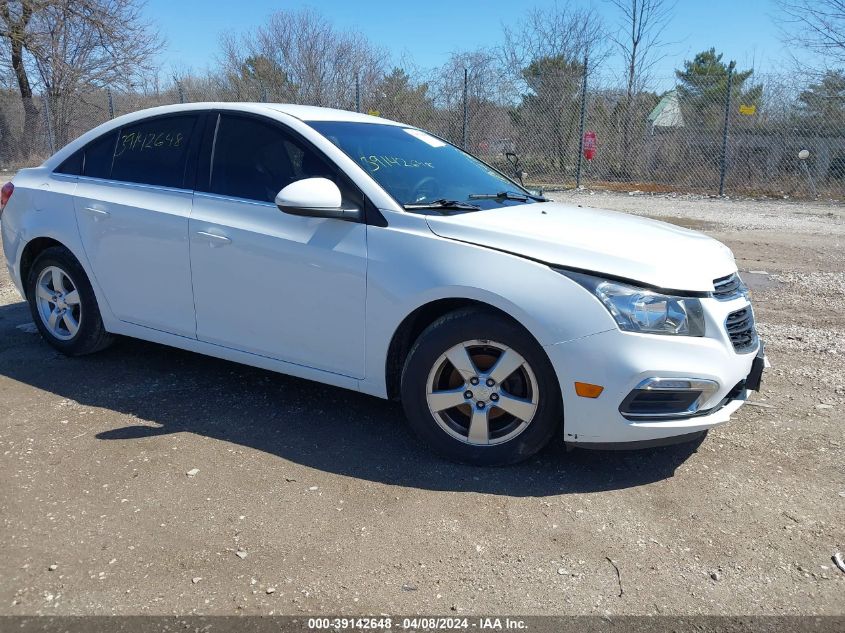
154 152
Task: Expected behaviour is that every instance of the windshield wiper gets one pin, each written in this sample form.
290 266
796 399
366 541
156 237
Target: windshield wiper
506 195
442 203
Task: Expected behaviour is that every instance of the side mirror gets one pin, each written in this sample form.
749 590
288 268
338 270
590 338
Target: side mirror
315 198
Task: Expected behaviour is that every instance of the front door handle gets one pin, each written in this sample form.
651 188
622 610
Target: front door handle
216 240
99 214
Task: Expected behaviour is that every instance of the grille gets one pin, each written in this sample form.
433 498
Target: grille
740 327
727 288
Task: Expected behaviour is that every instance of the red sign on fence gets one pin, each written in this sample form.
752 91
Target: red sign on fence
589 145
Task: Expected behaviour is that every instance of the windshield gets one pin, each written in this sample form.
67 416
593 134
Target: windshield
417 168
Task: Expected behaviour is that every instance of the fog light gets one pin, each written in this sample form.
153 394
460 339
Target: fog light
667 398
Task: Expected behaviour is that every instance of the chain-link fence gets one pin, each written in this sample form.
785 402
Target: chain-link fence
727 133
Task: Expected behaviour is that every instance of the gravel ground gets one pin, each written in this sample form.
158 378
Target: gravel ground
149 480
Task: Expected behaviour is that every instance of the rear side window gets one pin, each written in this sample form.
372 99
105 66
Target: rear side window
93 160
73 165
98 156
253 159
153 152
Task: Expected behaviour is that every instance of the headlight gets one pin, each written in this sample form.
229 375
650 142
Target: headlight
640 310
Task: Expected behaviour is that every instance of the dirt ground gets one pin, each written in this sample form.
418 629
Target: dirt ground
311 499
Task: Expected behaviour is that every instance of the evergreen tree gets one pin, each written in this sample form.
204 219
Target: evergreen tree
703 84
398 98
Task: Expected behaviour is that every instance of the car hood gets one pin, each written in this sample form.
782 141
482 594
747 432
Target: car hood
595 240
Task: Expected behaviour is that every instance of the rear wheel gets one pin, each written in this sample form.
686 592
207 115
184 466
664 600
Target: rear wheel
478 388
63 304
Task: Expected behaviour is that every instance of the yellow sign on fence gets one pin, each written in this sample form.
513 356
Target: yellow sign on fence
373 112
747 110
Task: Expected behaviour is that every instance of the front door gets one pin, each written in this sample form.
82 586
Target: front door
287 287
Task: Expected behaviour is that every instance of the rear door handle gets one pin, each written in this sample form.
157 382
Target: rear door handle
216 240
98 213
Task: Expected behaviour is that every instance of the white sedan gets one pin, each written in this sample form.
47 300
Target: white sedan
371 255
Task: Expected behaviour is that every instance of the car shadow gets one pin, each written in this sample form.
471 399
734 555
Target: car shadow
327 428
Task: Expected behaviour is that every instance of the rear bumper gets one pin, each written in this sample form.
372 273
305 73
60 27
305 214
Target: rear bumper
621 361
11 245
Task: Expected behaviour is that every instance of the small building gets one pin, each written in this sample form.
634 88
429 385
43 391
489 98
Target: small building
667 113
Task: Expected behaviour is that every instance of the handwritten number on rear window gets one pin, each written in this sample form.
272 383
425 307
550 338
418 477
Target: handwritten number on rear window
139 142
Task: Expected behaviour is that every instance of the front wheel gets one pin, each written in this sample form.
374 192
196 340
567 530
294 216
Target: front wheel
479 389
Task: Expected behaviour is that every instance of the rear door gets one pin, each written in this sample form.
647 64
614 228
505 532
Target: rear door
132 204
283 286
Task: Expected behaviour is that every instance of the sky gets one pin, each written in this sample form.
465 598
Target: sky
427 31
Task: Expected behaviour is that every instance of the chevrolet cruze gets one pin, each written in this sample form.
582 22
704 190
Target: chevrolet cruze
371 255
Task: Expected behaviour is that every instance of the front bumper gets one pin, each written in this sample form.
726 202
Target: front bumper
620 361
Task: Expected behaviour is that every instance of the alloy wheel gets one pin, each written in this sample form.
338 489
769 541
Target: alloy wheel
482 392
59 306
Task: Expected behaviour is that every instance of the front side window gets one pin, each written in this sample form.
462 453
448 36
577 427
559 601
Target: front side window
255 159
154 151
417 168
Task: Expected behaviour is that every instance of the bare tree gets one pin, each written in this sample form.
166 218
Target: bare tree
643 25
484 82
70 47
640 40
568 34
543 57
817 26
84 46
15 18
301 56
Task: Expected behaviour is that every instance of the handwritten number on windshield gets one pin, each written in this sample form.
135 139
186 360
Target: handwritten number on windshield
374 163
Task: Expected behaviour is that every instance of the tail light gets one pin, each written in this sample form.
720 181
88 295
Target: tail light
6 193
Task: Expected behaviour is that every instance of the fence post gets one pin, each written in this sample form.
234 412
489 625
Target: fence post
723 162
466 111
581 125
111 103
48 122
181 92
357 93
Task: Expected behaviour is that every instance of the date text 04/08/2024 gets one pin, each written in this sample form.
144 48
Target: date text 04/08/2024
416 623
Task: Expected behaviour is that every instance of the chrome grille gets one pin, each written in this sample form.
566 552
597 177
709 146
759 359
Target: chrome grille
727 288
740 327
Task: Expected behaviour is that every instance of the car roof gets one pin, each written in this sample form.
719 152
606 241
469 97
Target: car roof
316 113
301 112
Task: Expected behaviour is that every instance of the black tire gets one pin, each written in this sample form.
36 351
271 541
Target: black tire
470 325
91 336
